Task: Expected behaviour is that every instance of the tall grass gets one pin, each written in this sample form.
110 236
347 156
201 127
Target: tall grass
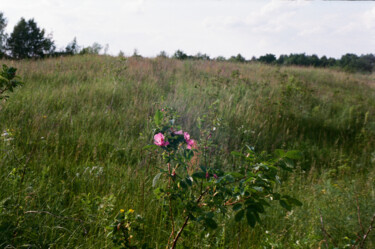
80 124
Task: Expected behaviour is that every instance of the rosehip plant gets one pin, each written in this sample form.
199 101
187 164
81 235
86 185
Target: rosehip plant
192 192
8 81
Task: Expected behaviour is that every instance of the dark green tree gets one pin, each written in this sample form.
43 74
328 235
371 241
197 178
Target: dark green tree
180 55
268 58
29 41
238 58
3 24
220 58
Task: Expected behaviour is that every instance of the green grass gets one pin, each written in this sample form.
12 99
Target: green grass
80 124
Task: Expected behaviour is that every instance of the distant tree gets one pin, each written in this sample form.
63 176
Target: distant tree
3 24
180 55
349 62
200 56
162 54
366 63
220 58
238 58
324 61
332 62
281 59
136 54
28 41
93 49
121 54
72 47
315 61
268 58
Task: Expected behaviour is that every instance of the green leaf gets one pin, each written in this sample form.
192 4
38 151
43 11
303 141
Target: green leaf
279 153
250 218
210 223
158 117
293 154
293 201
285 205
158 192
239 215
156 179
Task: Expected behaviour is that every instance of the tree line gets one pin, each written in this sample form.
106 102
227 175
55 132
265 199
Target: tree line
348 62
29 41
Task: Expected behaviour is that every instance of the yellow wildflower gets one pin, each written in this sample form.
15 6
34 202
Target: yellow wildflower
131 210
122 210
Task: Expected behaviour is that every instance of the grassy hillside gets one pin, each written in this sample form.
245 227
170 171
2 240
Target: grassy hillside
80 123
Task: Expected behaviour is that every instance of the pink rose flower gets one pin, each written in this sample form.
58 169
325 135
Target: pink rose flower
186 136
159 140
190 144
180 132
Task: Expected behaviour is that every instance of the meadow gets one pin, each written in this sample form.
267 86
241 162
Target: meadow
80 124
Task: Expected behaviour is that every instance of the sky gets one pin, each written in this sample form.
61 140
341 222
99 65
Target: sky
214 27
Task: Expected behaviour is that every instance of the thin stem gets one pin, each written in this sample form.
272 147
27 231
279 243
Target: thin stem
326 234
368 232
186 221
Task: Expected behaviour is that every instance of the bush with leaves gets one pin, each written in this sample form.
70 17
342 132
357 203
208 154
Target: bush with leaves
8 81
194 192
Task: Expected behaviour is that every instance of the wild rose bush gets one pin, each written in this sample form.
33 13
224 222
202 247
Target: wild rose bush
8 81
192 191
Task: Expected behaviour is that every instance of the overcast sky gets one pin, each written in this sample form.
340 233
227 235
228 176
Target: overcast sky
215 27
